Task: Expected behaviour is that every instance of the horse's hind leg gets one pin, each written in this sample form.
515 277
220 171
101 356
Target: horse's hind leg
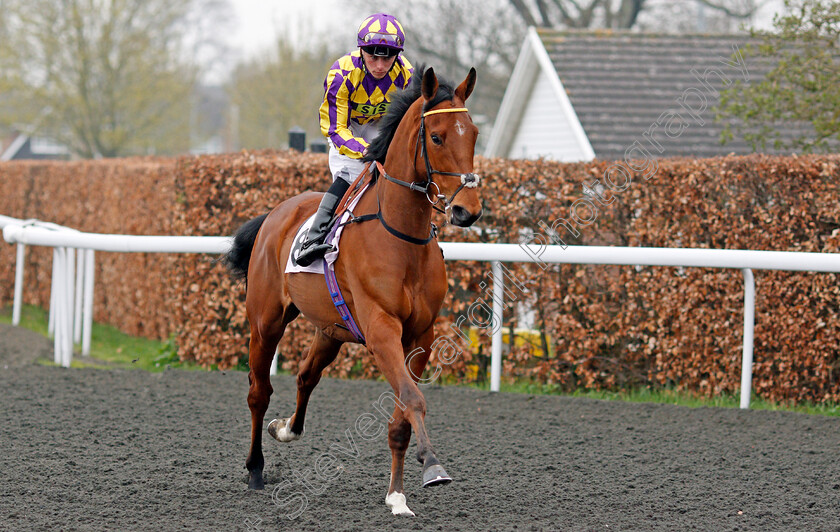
264 340
322 352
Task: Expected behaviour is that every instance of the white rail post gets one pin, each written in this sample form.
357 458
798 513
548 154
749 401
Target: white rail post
69 265
88 305
57 302
749 327
77 313
19 262
54 291
498 314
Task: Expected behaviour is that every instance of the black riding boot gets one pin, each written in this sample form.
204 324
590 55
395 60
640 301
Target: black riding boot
314 248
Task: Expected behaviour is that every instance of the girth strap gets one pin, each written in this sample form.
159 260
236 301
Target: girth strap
336 295
340 304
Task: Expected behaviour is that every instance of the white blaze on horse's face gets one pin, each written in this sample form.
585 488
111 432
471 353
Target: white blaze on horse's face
459 127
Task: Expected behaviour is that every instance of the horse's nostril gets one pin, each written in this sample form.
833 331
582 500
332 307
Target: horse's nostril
462 217
459 214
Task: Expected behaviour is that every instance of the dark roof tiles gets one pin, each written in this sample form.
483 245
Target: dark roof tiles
621 83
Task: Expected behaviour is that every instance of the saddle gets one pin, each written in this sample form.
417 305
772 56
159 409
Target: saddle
343 216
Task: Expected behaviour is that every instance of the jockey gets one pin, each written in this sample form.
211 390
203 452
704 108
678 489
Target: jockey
357 91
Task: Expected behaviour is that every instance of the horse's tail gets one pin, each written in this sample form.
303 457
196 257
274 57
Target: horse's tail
239 255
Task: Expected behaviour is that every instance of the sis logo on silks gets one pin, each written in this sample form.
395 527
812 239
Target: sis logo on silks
371 110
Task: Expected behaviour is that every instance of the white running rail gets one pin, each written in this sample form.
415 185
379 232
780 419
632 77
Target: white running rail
71 297
745 260
21 250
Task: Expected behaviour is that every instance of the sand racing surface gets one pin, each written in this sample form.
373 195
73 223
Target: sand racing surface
84 449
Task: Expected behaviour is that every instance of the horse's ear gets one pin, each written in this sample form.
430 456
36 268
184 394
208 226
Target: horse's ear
430 84
466 87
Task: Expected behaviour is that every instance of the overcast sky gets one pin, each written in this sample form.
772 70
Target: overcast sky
260 21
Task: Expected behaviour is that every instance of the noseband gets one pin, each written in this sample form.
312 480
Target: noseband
470 180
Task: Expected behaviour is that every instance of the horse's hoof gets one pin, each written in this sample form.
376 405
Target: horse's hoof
396 502
255 481
280 431
435 475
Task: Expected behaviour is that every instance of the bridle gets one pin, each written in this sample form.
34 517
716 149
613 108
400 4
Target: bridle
470 180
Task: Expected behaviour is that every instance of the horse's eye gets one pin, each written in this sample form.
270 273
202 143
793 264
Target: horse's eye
437 140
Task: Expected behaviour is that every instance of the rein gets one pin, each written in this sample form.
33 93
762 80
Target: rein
393 230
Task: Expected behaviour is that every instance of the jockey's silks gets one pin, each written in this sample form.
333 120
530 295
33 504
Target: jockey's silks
350 96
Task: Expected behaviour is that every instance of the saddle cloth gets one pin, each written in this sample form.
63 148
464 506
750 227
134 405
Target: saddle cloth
334 236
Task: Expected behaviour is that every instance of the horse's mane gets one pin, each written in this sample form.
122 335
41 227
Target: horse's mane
399 106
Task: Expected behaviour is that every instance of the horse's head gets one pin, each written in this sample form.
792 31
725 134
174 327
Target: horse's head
447 139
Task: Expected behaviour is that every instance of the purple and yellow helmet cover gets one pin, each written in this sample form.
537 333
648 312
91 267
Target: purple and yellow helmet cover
381 29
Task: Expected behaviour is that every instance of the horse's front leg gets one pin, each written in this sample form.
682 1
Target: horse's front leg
399 433
383 340
399 436
416 361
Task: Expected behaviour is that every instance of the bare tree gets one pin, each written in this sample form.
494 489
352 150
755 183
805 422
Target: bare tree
700 16
617 14
278 91
105 77
454 35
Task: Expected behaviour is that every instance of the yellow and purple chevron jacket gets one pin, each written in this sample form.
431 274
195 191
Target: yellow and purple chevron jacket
350 95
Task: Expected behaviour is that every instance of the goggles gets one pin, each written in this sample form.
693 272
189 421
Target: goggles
383 39
381 51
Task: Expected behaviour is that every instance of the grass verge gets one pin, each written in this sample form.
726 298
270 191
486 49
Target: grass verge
665 396
109 347
115 348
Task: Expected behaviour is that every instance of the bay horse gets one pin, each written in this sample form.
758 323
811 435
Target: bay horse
390 270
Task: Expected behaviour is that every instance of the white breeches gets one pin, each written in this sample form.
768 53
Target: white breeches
346 167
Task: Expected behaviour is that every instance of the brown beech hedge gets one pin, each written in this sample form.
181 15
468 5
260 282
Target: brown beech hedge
124 196
591 326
